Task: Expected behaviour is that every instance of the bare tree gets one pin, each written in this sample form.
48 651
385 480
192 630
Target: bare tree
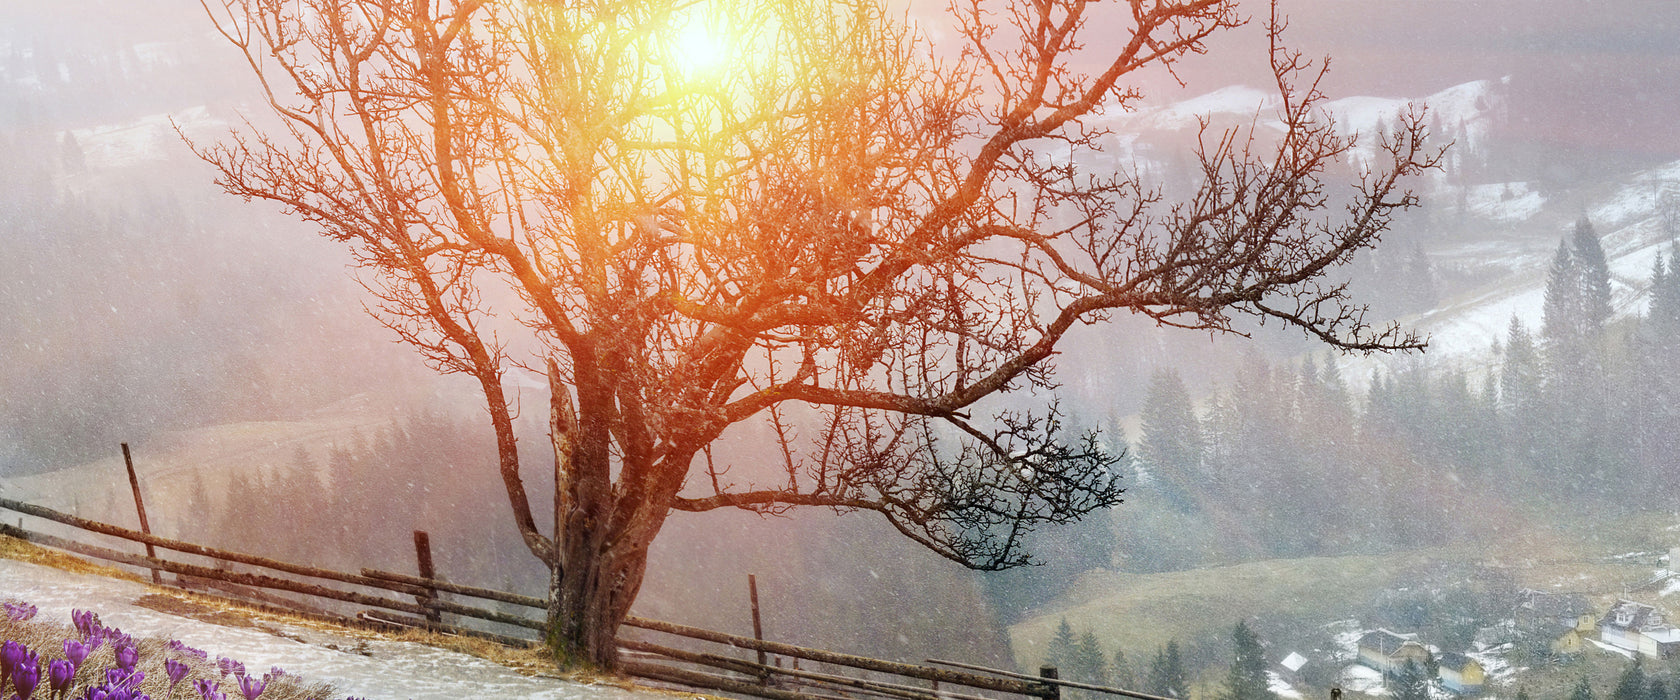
696 217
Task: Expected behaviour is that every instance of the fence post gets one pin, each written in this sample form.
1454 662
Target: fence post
758 627
140 505
423 553
1052 691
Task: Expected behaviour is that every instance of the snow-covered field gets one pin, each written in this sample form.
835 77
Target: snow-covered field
387 671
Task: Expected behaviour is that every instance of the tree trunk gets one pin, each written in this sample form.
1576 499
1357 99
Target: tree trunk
588 600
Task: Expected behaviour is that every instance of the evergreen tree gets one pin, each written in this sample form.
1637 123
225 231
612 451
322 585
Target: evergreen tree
1594 273
1562 314
1632 685
70 152
1656 691
1247 679
1121 675
1522 694
1411 682
1582 691
1060 651
1166 676
1521 380
1090 665
1171 444
197 511
1419 285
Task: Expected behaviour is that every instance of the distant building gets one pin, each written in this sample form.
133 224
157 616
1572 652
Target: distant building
1461 674
1562 622
1292 665
1389 652
1641 628
1569 608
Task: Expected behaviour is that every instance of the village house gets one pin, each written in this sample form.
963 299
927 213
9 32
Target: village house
1389 652
1639 627
1461 674
1563 620
1290 667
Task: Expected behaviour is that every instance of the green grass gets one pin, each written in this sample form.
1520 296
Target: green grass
1293 598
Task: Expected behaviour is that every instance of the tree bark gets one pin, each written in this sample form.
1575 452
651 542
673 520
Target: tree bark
589 600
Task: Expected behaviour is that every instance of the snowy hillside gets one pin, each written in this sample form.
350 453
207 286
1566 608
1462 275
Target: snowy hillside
1506 232
373 668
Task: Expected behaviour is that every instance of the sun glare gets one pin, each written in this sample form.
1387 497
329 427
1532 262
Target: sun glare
698 46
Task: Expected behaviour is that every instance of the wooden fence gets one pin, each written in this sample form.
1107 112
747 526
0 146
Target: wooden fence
775 672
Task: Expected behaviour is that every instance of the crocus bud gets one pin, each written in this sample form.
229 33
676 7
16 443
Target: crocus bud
176 671
76 652
27 675
59 674
127 656
250 687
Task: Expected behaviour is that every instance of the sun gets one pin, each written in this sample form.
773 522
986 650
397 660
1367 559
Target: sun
698 46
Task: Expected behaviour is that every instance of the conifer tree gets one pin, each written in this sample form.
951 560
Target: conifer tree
1090 665
1411 682
1247 679
1089 660
1166 676
1594 277
1632 685
1060 651
1561 326
1121 675
1582 691
1171 445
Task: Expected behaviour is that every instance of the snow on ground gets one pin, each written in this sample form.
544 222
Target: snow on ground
1281 687
1499 669
1346 637
1610 648
1504 202
389 671
149 138
1363 679
1233 101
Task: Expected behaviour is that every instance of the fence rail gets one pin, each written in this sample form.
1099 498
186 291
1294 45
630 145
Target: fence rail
644 659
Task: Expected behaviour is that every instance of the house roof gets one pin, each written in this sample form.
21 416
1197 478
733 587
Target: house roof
1387 642
1638 615
1456 662
1663 634
1558 605
1294 662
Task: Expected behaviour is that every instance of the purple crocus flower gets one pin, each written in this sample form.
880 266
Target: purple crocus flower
127 656
176 645
228 666
176 671
76 652
208 690
119 638
250 687
59 674
27 674
114 693
87 623
20 612
9 653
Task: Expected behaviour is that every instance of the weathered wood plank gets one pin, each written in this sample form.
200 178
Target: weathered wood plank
200 550
1005 685
472 591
